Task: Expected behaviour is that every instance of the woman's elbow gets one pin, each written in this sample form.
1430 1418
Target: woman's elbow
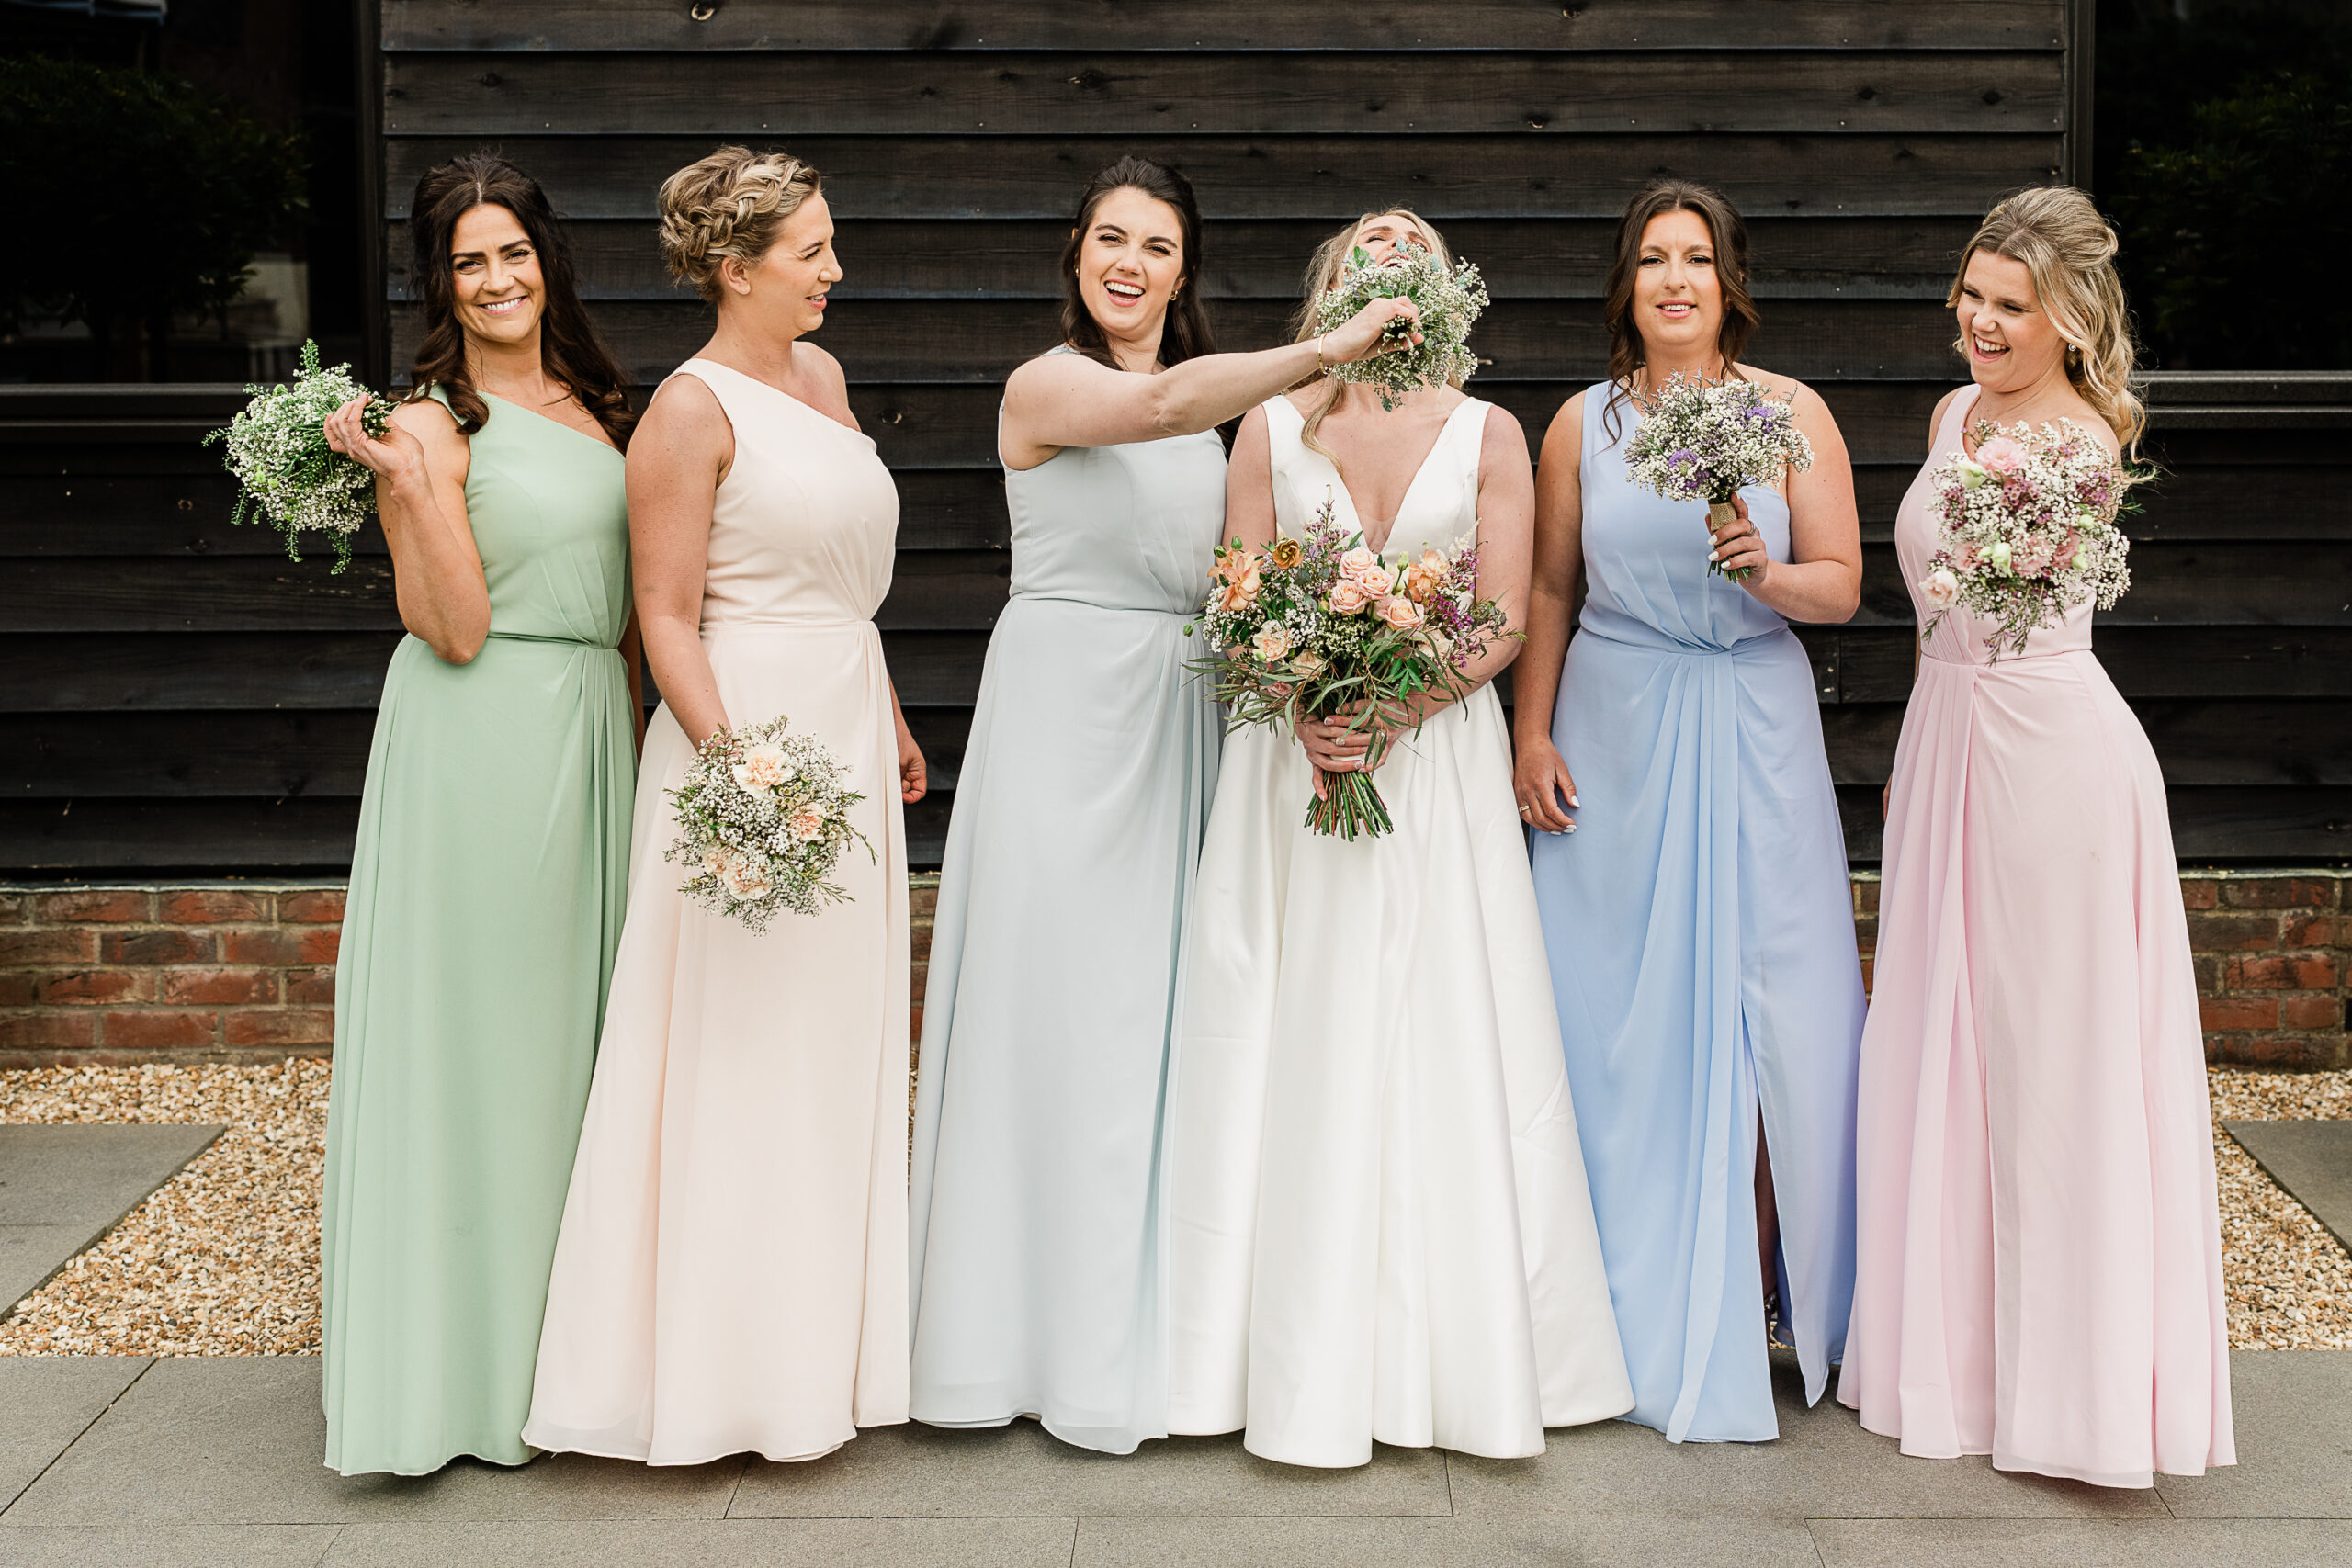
459 651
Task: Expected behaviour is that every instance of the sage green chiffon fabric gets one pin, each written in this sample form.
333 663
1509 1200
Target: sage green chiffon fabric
487 887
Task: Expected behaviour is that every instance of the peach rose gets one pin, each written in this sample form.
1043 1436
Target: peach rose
1402 613
2001 456
1422 578
1270 643
1376 579
1241 590
1348 596
1358 561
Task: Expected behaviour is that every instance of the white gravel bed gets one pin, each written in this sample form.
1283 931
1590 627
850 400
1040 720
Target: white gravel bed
223 1259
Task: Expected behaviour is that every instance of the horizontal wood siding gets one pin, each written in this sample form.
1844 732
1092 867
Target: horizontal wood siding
181 697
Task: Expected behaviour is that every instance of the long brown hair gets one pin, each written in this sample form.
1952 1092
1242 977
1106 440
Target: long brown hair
1728 233
2070 250
1186 334
1323 271
569 350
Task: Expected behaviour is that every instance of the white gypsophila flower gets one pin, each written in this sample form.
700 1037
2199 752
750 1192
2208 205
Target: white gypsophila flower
287 474
1449 302
763 815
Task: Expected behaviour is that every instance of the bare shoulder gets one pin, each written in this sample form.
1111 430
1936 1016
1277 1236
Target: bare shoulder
429 420
1050 374
1780 385
684 422
1943 407
820 368
1564 438
1503 435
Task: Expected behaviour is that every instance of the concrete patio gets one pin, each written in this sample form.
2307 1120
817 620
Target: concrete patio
182 1462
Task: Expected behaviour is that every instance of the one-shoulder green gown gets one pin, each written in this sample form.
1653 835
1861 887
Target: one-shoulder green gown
487 887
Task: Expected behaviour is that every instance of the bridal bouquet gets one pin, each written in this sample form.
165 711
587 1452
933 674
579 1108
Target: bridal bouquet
1321 625
2025 530
287 473
764 817
1705 439
1449 302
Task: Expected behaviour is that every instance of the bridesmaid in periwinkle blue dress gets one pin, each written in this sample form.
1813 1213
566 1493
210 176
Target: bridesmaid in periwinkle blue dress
1037 1236
1688 862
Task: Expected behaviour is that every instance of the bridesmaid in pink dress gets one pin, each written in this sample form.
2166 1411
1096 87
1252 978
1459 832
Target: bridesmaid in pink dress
2039 1258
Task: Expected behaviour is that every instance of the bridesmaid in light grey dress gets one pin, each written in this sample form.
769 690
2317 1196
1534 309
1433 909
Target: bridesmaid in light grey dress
1038 1241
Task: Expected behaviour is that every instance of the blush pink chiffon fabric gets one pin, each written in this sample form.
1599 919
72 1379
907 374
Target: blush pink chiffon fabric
2040 1260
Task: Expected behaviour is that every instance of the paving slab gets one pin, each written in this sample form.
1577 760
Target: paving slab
2294 1435
735 1543
2312 1160
165 1546
2080 1543
1823 1463
238 1440
1444 1543
46 1402
1006 1472
63 1188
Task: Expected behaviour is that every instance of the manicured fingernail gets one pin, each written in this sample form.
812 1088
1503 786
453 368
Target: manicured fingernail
1574 801
1569 828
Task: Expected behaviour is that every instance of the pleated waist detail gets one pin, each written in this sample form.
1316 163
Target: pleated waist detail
1651 639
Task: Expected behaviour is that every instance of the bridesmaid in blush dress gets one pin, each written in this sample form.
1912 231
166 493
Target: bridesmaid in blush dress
1691 873
493 856
731 1274
1038 1224
2040 1256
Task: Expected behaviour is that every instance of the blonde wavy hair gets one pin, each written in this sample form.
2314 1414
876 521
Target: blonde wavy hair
1323 271
729 204
2070 250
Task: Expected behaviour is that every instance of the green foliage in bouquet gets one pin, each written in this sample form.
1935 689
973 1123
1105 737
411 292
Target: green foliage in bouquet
1449 301
287 475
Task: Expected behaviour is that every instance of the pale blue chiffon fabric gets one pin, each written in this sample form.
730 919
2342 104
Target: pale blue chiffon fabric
1037 1208
1702 939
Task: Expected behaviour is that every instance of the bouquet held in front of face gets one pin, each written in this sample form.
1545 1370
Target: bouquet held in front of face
287 475
764 817
2025 531
1708 440
1449 301
1322 628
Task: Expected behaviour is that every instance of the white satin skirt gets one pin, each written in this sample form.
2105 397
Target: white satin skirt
1380 1225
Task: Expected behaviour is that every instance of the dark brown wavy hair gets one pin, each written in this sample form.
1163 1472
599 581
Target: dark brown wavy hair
1725 229
1186 334
569 349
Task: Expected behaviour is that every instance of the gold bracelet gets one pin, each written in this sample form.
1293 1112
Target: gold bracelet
1318 353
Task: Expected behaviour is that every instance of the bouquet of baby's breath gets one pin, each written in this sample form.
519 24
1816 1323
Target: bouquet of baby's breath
764 817
287 474
1707 440
1449 302
2025 530
1320 626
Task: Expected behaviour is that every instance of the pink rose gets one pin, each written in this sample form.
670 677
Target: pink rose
1358 561
1402 613
1348 596
1940 587
2001 456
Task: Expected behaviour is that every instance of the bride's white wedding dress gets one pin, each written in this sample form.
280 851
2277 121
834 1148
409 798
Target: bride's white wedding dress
1381 1226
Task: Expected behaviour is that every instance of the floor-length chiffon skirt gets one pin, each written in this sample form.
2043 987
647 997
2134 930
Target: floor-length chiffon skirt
487 886
731 1275
2040 1258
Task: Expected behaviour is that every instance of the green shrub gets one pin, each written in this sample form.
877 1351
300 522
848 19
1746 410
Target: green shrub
134 197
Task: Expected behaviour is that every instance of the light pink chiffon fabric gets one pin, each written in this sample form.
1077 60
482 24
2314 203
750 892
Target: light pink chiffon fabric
731 1274
2040 1260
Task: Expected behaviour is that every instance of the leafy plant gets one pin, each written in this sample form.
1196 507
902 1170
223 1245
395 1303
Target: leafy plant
138 196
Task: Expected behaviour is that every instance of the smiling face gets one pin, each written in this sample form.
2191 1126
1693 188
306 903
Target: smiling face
1678 294
1129 261
1388 233
2009 339
494 276
783 293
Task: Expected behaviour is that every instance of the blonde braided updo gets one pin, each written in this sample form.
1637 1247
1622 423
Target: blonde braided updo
2070 250
729 204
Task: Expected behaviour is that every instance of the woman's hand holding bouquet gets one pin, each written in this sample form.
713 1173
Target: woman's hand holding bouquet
1347 648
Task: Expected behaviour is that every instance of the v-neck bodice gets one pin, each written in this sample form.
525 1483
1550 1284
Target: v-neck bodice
1440 504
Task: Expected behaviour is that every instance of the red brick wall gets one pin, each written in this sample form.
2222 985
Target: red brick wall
143 974
119 974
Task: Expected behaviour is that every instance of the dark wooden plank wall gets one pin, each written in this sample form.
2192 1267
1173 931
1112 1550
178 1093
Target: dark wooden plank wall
179 695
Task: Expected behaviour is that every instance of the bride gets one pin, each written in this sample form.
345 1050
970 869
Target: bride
1381 1227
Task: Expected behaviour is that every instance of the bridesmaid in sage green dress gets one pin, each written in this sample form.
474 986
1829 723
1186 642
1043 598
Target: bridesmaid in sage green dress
488 877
